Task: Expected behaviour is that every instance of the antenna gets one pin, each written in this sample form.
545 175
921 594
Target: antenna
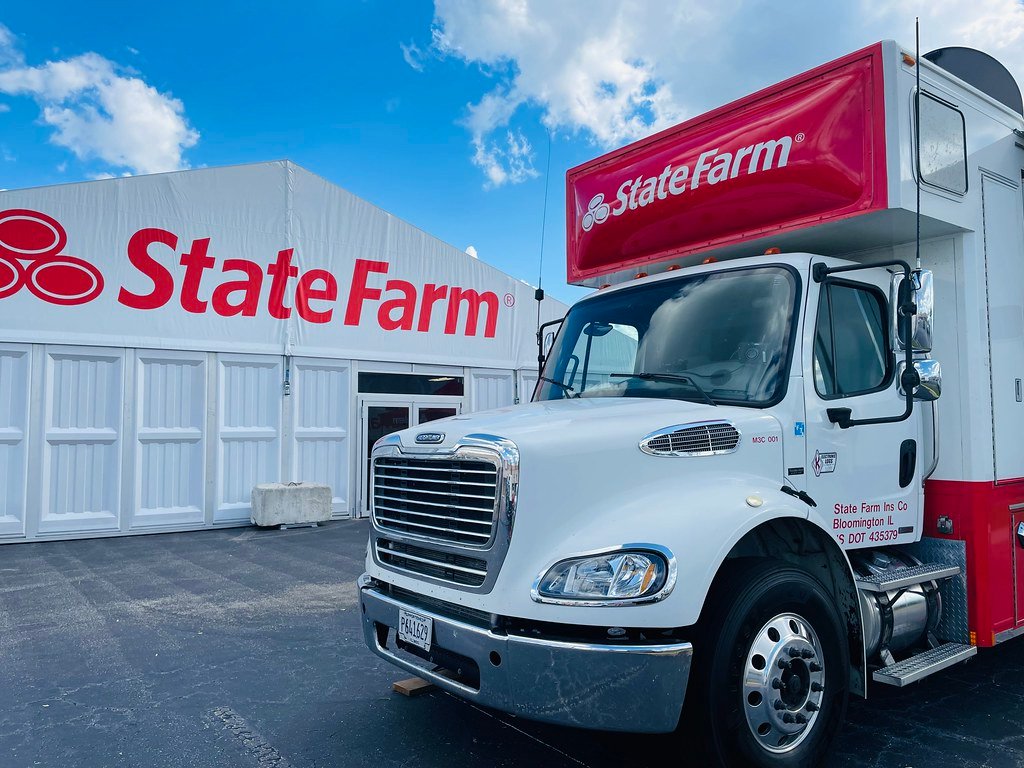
917 135
538 294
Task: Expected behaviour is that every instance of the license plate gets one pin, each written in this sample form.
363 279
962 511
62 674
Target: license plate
415 629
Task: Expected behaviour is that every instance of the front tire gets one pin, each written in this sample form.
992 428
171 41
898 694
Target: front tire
770 677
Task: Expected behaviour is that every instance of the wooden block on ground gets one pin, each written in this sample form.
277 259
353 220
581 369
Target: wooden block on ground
414 686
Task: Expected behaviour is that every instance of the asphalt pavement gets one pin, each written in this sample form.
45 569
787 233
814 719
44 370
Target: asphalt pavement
242 648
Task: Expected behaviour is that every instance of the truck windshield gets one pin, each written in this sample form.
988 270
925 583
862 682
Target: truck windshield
717 337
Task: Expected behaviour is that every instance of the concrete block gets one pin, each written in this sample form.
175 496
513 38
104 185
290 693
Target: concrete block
290 503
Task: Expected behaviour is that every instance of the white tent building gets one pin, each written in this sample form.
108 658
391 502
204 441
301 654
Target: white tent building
169 341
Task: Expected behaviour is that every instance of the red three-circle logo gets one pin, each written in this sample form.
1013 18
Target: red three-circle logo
30 256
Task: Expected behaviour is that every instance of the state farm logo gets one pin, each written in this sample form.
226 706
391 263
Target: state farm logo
597 212
30 257
31 245
711 167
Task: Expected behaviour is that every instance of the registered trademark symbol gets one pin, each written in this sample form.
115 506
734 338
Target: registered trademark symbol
510 300
800 136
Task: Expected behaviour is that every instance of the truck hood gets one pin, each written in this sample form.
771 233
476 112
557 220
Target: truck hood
594 424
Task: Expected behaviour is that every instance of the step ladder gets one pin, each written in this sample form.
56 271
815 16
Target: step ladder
898 578
923 664
935 659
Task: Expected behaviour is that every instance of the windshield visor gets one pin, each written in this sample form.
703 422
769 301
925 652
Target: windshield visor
717 336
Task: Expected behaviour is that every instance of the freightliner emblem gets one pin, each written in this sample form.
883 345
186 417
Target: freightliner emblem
430 437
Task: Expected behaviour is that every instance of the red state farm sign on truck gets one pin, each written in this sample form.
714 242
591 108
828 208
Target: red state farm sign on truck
804 152
736 496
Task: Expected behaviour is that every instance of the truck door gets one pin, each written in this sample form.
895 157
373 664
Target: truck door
865 479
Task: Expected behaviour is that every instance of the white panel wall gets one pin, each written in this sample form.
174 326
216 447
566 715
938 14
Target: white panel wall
249 395
14 399
81 466
170 431
321 409
527 383
98 442
491 388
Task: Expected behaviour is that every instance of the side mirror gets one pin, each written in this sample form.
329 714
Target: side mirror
919 330
928 376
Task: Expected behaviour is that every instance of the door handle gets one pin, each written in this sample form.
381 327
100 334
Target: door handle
908 462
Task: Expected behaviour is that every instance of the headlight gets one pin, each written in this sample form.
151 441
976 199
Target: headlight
616 576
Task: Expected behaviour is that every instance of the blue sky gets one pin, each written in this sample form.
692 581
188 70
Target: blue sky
439 113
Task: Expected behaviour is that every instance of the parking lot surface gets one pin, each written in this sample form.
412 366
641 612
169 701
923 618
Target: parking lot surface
242 648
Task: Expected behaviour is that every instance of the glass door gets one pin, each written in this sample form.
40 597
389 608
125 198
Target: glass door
377 419
425 413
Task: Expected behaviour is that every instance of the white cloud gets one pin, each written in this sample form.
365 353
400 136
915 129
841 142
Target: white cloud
99 111
5 108
617 70
509 160
471 250
413 55
10 54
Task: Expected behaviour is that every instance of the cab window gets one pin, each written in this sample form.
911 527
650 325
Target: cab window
851 347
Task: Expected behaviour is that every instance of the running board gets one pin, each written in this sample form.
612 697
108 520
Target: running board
923 664
906 577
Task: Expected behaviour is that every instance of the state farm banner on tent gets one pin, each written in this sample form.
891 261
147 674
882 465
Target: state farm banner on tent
264 258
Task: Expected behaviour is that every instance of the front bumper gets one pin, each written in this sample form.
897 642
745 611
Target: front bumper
636 688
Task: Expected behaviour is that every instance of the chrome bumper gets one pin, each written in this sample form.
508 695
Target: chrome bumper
637 688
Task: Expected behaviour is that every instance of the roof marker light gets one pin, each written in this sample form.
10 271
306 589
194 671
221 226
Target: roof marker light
772 251
709 260
673 268
908 60
639 274
606 285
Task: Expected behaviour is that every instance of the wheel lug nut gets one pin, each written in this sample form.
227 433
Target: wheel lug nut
811 707
814 666
794 652
783 664
788 718
800 718
779 705
807 653
817 687
777 684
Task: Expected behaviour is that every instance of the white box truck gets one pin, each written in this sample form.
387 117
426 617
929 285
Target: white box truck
736 497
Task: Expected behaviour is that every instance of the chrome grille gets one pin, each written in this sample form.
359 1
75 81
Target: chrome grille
446 500
704 439
446 566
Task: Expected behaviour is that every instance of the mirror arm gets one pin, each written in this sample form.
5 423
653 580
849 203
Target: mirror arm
540 342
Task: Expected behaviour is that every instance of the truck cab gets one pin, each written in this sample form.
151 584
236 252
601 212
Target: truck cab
716 512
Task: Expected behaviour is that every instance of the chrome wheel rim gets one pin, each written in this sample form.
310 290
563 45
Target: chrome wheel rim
783 683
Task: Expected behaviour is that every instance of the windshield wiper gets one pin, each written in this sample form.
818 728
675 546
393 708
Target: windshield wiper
668 377
564 387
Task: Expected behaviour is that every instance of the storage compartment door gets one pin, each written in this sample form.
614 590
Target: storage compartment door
1004 268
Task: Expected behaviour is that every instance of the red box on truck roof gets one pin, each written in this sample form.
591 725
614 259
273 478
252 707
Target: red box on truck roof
805 151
